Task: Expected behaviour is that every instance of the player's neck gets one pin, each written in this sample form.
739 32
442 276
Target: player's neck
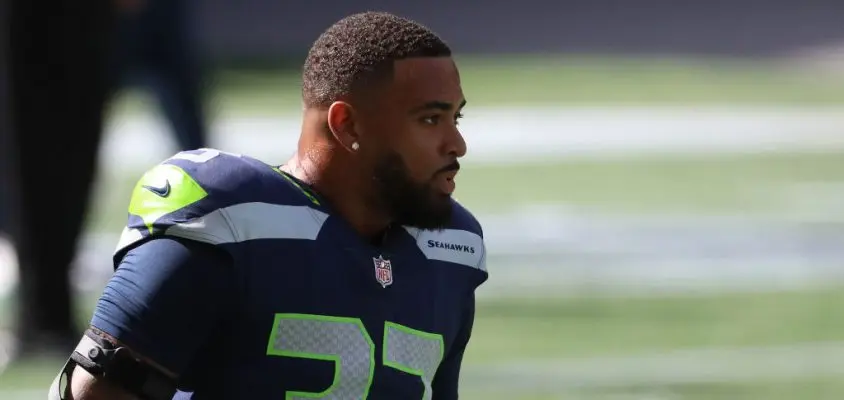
336 183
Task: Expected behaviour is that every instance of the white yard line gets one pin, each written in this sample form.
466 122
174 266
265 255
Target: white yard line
518 134
582 255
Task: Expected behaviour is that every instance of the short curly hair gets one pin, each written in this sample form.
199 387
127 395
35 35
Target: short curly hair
360 49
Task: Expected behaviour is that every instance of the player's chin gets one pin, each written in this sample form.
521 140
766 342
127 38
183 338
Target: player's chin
441 198
441 205
438 200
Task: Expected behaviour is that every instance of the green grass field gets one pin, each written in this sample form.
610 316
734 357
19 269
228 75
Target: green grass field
582 348
553 80
586 328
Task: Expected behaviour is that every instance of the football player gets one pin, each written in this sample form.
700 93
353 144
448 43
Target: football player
349 272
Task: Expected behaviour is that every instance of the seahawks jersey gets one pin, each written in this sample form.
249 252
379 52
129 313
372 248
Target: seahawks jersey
308 308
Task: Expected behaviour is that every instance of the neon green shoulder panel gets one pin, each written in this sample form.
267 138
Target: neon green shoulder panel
163 190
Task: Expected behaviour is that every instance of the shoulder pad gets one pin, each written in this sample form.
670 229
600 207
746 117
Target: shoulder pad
214 197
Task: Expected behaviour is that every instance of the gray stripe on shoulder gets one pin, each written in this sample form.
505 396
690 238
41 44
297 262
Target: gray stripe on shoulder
251 221
242 222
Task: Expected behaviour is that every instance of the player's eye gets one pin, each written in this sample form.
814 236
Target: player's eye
435 119
431 120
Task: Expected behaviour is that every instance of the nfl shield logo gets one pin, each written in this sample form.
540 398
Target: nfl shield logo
383 271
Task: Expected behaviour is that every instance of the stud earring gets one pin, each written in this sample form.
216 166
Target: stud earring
355 146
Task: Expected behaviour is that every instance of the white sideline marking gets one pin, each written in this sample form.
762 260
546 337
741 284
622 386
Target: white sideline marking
526 133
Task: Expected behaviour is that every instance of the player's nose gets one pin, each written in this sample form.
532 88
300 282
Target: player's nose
456 144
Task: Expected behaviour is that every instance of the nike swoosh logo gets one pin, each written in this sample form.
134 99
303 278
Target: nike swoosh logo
161 191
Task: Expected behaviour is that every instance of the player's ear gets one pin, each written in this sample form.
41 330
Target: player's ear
341 123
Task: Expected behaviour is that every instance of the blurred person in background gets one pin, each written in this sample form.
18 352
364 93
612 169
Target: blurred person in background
5 125
57 87
7 255
155 50
62 72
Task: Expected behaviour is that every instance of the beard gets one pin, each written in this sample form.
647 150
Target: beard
409 202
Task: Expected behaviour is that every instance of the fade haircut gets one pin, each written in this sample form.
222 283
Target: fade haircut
359 50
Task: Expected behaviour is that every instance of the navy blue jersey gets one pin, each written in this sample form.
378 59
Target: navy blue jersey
235 276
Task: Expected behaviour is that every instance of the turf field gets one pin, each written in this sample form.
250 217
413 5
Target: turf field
581 80
746 345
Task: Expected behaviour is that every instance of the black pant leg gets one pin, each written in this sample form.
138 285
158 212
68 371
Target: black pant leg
58 86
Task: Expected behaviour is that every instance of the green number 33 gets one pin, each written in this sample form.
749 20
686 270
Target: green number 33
346 342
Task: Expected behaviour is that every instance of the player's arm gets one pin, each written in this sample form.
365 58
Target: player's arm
85 386
445 385
162 300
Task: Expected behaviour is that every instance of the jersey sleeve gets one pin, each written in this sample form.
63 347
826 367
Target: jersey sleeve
166 296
